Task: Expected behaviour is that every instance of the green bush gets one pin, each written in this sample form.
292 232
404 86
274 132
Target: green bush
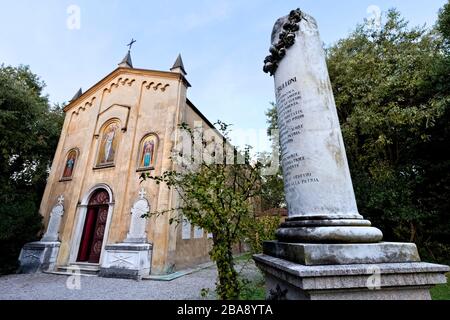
259 230
20 223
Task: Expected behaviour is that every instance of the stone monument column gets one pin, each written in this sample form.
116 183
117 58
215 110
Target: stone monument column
319 190
326 249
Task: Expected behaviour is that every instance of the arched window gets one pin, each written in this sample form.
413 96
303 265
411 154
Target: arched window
108 144
69 165
147 152
99 197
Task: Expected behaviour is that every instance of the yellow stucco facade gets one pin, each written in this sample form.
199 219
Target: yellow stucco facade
140 103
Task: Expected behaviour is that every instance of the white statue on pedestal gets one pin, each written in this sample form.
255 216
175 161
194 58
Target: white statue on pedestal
52 234
137 232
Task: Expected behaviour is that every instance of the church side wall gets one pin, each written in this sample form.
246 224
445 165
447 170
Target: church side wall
195 250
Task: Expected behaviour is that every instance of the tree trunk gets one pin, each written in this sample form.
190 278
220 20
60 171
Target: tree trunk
412 232
228 284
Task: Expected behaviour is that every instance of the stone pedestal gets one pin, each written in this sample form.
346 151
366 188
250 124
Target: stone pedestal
38 256
42 255
347 271
342 254
131 259
326 249
286 280
127 261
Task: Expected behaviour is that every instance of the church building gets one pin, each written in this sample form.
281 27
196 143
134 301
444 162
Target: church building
123 126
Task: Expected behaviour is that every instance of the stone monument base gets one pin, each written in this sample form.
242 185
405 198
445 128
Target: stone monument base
315 254
127 261
38 256
383 271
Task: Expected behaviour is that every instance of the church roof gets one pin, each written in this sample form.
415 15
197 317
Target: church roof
204 118
179 64
126 66
77 95
126 62
126 70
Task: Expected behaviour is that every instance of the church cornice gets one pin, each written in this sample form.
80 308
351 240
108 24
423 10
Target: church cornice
88 97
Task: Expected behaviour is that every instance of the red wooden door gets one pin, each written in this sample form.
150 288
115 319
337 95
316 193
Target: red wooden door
99 233
86 239
94 228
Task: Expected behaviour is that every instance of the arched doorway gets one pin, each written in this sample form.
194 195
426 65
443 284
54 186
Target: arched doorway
94 227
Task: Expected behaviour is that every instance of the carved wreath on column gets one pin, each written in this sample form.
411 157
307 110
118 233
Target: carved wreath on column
286 40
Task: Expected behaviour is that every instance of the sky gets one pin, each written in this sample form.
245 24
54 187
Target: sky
223 44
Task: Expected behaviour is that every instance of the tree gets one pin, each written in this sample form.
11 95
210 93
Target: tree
272 185
391 90
260 229
443 25
272 119
29 135
273 195
217 197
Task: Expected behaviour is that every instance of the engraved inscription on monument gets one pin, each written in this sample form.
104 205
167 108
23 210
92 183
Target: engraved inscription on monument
291 121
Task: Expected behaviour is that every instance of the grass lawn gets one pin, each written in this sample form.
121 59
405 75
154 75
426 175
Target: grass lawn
442 292
254 288
243 258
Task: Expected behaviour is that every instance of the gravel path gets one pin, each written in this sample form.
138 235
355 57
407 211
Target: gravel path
54 287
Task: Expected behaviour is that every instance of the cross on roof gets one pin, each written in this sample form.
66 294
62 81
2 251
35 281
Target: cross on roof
131 43
61 199
142 193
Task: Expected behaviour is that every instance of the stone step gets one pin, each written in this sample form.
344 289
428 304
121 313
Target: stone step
83 269
61 273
